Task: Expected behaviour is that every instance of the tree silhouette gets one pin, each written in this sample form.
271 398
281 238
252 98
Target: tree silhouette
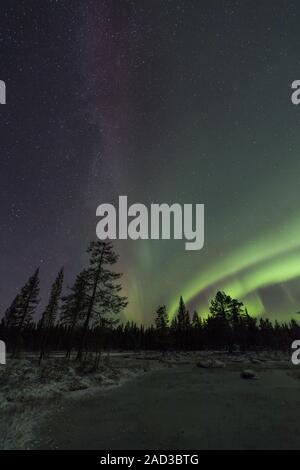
161 319
73 309
180 326
161 323
104 294
50 313
89 319
196 321
196 331
220 309
20 314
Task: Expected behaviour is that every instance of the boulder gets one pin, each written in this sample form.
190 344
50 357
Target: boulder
254 360
205 364
248 374
210 364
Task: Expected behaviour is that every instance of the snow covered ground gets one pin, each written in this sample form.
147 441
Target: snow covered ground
28 391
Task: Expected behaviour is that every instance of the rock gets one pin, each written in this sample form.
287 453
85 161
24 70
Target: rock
210 364
237 359
254 360
248 374
205 364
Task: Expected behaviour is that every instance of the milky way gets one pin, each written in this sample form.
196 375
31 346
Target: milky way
162 101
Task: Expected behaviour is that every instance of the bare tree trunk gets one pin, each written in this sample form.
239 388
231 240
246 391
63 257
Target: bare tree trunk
89 313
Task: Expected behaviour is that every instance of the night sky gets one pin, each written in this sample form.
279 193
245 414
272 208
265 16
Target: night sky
182 101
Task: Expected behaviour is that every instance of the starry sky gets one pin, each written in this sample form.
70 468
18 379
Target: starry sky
163 101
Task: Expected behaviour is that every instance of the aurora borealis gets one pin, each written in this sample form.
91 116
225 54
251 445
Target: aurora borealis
163 101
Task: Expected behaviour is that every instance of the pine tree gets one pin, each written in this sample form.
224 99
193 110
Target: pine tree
74 307
10 322
251 331
161 323
183 316
11 313
20 314
196 333
104 294
181 325
161 319
50 313
236 317
196 321
236 311
220 320
266 332
220 305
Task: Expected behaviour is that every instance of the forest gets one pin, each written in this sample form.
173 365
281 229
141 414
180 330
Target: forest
85 319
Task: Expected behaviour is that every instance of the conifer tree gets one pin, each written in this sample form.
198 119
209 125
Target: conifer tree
161 318
11 313
74 308
20 314
196 331
181 324
196 321
183 316
50 313
103 291
220 319
161 323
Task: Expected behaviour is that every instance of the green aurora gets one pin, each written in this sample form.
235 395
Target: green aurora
272 260
222 131
165 102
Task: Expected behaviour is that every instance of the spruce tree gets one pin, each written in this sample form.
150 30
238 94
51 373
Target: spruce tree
161 323
11 313
196 331
74 308
180 325
196 321
103 291
220 320
50 313
20 314
161 318
183 316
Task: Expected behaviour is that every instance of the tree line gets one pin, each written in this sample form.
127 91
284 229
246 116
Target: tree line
85 319
90 302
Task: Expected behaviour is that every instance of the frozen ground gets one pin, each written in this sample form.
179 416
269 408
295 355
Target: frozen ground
29 391
176 405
